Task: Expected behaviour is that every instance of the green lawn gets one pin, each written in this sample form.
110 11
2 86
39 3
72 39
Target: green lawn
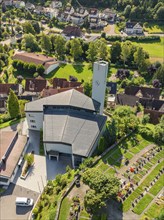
11 122
64 210
155 50
82 72
143 203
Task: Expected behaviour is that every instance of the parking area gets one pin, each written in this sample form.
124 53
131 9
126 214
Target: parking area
43 168
8 209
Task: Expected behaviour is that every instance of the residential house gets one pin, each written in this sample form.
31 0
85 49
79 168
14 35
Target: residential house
71 32
133 28
35 84
63 83
111 95
50 12
52 91
56 4
71 123
108 15
143 92
65 15
4 92
147 97
13 147
49 63
30 6
19 4
79 16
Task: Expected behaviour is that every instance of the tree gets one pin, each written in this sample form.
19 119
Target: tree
36 26
28 28
160 75
88 89
159 131
115 51
59 46
92 52
46 43
125 51
125 119
160 13
29 42
102 187
146 119
139 58
101 145
13 104
102 49
40 69
76 48
127 11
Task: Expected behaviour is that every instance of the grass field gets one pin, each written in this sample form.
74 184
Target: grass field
155 50
65 208
82 72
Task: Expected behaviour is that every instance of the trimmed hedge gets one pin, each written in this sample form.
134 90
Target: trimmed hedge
134 38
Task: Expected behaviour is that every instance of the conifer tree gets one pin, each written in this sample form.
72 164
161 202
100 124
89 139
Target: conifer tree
13 104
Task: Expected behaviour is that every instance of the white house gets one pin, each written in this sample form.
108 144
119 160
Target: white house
133 28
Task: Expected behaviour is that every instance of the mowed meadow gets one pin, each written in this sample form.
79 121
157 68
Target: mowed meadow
155 50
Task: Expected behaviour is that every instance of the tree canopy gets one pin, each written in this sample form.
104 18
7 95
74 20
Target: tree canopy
13 105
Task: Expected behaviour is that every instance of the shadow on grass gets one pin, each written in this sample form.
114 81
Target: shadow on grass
78 68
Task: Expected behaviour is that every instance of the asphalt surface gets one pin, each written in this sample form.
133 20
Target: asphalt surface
8 209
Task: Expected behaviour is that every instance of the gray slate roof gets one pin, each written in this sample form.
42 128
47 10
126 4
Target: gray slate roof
67 98
79 129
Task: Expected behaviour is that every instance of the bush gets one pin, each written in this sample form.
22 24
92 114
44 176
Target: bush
4 118
146 133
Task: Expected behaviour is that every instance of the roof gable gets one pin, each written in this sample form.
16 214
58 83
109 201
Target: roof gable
68 98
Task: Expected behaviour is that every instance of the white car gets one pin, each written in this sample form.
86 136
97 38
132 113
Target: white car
23 201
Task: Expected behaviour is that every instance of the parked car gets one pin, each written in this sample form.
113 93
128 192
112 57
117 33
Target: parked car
23 201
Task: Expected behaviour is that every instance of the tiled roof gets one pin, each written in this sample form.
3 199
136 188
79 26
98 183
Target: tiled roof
145 91
51 91
72 31
5 88
8 167
35 58
35 84
123 99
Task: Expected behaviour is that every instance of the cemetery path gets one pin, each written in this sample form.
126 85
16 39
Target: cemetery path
122 170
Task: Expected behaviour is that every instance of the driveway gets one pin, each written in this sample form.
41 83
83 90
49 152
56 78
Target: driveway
43 169
8 209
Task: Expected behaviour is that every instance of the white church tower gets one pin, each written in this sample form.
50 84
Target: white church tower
100 71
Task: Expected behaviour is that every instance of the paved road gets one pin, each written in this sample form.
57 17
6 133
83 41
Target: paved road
8 209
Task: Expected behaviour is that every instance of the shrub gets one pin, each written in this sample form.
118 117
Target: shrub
4 118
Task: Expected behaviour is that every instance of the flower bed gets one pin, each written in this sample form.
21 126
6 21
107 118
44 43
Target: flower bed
29 162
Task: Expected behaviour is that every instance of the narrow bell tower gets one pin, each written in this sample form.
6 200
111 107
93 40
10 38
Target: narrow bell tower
100 71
